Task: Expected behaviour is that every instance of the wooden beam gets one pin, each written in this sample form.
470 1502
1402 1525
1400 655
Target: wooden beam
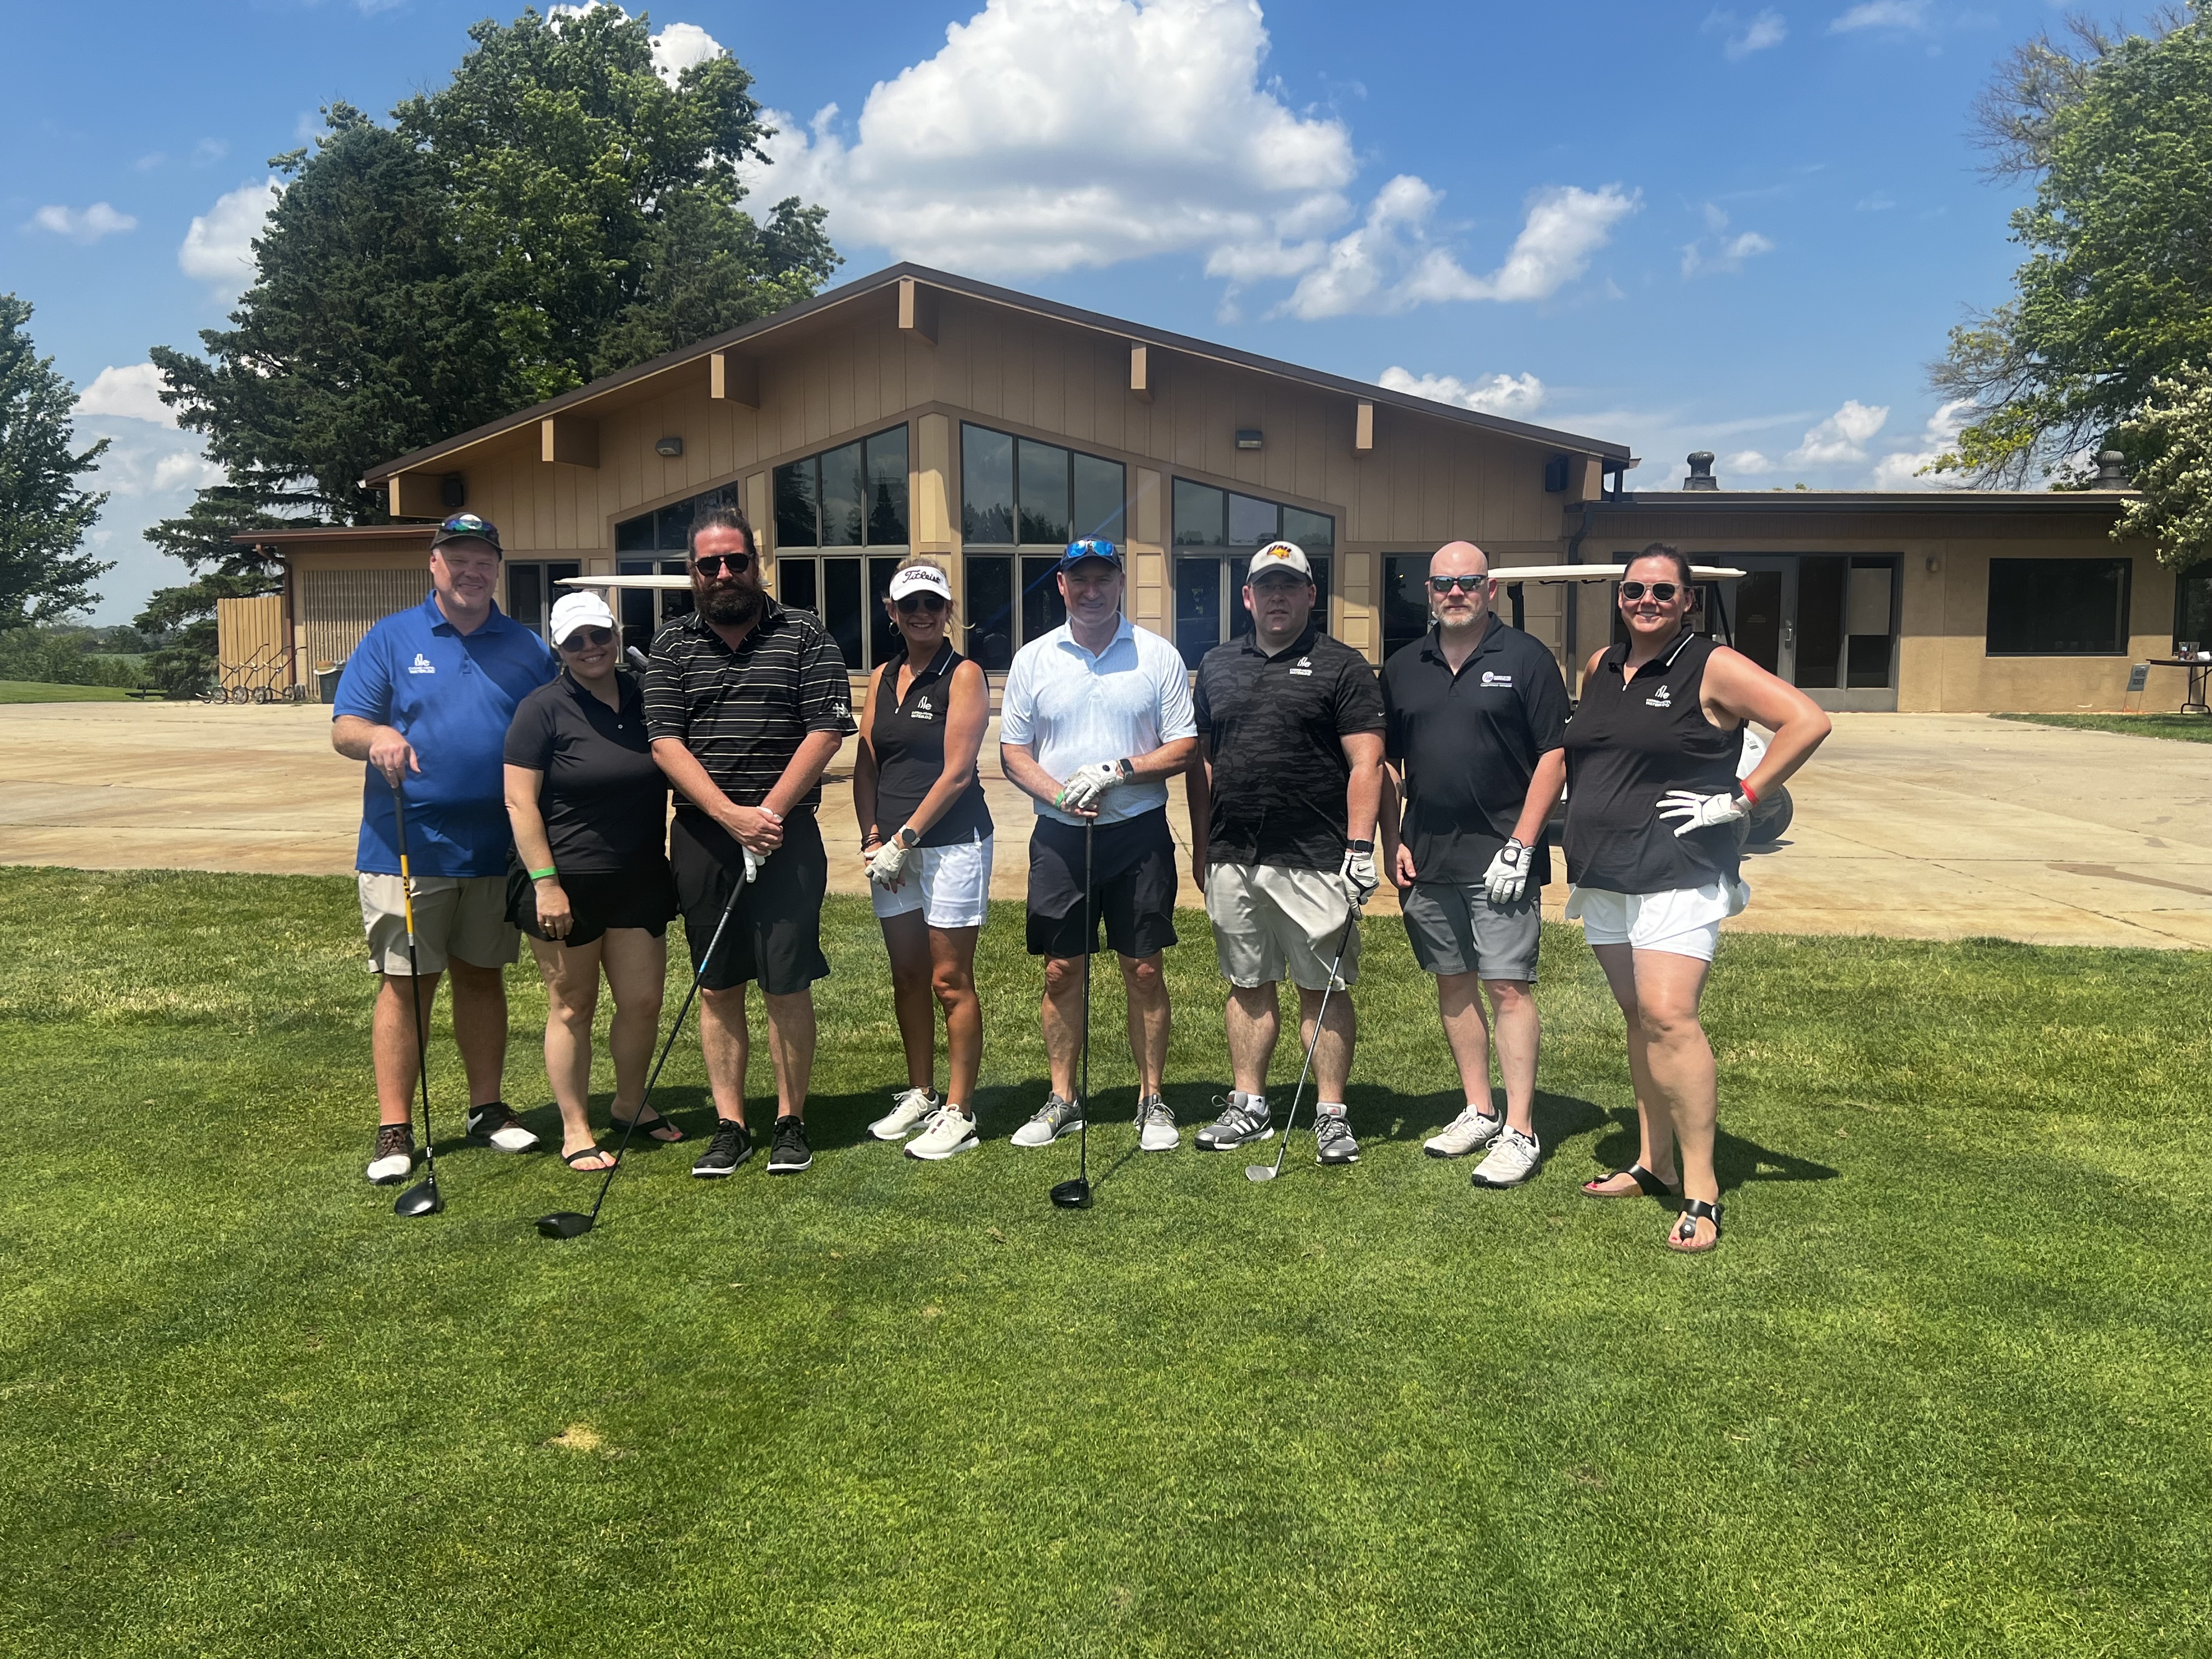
733 378
418 495
1362 429
917 310
1140 377
571 439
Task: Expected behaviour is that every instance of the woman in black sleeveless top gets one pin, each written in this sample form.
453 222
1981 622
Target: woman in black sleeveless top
1654 821
925 834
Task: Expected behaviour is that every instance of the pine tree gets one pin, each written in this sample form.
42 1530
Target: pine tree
44 516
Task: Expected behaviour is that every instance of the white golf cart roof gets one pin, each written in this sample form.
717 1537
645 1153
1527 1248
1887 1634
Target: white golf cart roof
671 583
1599 573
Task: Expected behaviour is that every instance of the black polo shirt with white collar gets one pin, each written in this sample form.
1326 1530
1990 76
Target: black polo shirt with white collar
1467 744
1275 726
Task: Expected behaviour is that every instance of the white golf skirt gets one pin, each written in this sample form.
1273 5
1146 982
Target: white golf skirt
1683 921
950 885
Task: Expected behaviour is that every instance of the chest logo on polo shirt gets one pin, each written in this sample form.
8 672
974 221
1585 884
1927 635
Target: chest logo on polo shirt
1663 698
1491 676
1305 667
921 710
422 664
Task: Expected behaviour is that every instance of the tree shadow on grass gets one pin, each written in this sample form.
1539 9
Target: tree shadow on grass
1736 1161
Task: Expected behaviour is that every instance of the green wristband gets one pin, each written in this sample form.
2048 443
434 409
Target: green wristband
540 875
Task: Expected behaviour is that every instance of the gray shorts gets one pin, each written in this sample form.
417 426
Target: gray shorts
1457 930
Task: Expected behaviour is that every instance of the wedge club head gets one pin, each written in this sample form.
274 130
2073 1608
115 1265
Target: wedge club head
564 1223
1072 1194
423 1198
1259 1172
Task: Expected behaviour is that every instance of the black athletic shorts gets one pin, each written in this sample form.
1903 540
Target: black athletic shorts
643 895
1133 880
775 934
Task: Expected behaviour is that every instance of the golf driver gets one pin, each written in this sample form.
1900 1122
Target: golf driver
1076 1194
568 1224
1269 1171
423 1197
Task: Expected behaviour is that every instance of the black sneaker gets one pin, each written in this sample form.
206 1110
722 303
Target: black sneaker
731 1145
789 1152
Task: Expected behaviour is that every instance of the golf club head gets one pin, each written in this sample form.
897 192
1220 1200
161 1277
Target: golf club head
564 1223
1072 1194
1259 1172
423 1198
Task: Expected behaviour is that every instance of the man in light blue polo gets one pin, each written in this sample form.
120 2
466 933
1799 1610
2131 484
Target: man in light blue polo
1096 718
425 702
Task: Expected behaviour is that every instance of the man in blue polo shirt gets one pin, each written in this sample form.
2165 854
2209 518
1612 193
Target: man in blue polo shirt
425 702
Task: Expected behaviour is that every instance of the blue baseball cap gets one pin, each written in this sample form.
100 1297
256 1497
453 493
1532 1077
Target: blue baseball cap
1091 547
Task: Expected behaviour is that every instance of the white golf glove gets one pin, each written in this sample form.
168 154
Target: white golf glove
753 861
1084 791
1507 878
888 867
1699 811
1358 869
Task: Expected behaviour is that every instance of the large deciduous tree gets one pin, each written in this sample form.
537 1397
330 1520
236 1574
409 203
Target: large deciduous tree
44 516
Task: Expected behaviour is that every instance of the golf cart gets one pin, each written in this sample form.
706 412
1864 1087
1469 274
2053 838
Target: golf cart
1771 817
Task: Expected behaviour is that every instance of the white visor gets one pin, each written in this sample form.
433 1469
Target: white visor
922 578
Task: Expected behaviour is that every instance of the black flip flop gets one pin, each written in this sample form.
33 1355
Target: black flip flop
1648 1184
592 1151
1683 1239
646 1126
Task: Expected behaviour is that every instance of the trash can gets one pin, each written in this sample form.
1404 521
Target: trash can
326 681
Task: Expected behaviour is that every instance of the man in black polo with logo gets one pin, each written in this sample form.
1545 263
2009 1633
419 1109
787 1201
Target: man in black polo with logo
746 702
1283 799
1478 715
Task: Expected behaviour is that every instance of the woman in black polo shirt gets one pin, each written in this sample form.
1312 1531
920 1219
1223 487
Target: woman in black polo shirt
925 834
591 885
1655 819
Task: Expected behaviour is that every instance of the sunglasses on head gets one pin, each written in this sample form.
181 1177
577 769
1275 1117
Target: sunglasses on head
587 639
910 603
1662 591
711 564
1465 583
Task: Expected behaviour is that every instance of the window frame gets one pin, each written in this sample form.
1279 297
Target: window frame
1034 607
1233 558
2123 619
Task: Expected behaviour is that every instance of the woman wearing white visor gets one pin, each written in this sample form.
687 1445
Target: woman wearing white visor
925 832
590 886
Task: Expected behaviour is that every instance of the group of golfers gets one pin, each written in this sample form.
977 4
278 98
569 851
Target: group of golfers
536 786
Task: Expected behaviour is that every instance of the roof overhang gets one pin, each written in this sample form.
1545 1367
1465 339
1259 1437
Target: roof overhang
2087 503
334 532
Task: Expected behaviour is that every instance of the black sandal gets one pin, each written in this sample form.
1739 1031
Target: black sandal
646 1126
592 1151
1648 1183
1683 1240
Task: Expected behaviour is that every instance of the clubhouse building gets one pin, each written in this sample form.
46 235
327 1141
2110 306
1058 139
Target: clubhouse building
915 413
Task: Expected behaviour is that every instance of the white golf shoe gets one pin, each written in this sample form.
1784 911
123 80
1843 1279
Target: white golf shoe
1470 1129
1058 1117
500 1128
393 1155
907 1113
1156 1126
1512 1160
951 1131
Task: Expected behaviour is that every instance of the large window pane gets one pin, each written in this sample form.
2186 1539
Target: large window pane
1197 607
525 596
841 607
886 453
2193 606
795 585
1821 579
987 486
1043 609
2058 607
1252 521
885 641
843 499
672 526
635 605
1313 532
990 594
635 535
1405 599
1199 514
1100 491
1040 488
795 499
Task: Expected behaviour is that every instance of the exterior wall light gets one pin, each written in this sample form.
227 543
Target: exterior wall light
671 448
1248 437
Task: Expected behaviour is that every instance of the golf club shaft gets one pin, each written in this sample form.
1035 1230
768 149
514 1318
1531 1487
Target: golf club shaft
414 982
1090 923
1336 968
737 892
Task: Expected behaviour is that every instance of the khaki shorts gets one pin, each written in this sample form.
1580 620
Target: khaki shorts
461 916
1270 922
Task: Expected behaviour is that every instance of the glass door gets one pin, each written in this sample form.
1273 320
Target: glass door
1765 614
1828 623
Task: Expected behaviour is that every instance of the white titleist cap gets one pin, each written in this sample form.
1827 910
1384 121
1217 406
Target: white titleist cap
922 578
1279 556
580 610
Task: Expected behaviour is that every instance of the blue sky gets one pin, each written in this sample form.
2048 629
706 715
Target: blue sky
1744 228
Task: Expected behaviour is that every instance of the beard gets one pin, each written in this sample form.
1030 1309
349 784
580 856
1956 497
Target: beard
731 603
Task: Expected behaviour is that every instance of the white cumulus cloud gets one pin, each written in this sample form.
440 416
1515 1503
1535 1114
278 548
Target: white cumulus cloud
1739 39
81 224
1748 462
1718 253
1841 438
675 49
1899 16
1515 395
1901 470
218 249
132 390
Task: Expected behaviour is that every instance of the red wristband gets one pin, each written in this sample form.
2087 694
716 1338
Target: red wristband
1749 793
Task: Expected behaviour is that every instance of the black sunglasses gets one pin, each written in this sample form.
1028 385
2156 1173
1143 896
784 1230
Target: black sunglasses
710 564
1662 591
587 639
908 605
1465 583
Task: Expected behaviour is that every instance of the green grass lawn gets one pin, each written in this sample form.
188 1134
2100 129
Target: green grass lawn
39 692
1946 1389
2189 728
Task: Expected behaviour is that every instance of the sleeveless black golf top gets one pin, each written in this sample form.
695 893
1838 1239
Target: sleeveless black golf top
908 738
1630 740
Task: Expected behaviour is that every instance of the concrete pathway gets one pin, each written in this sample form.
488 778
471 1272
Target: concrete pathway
1929 826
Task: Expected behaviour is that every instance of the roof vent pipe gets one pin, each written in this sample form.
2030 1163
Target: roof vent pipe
1701 471
2111 471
